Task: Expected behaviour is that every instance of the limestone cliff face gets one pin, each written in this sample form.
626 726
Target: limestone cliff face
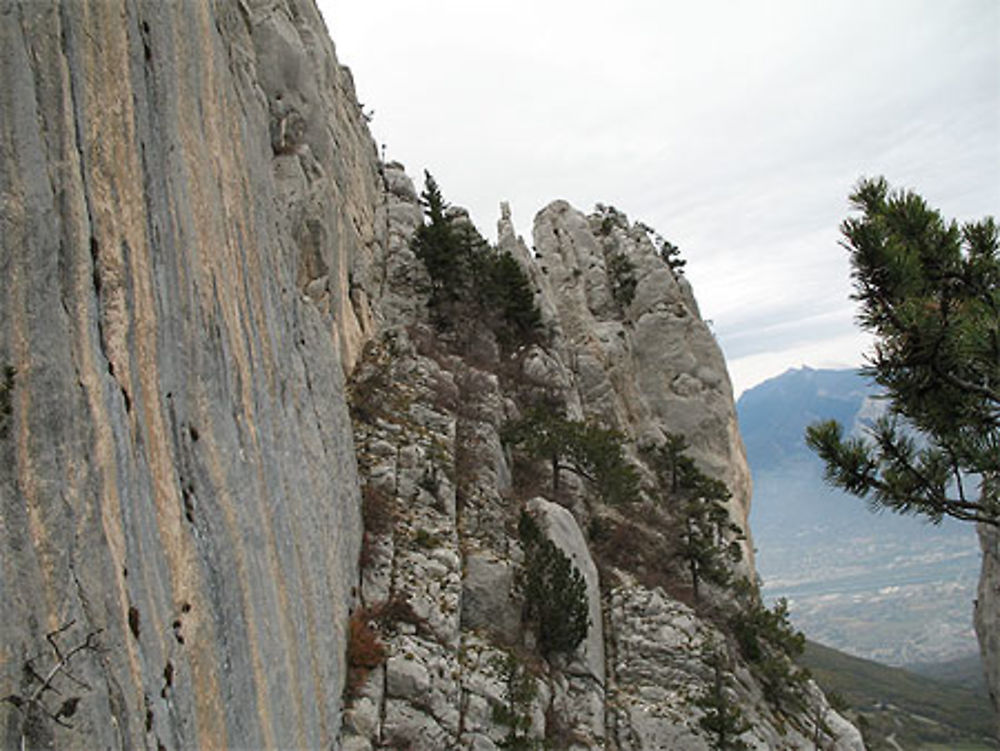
187 192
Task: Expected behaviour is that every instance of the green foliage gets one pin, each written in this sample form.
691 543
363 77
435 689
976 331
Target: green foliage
436 244
770 644
620 268
470 280
930 294
757 628
709 540
426 540
703 546
506 295
671 255
609 218
621 271
722 718
584 448
555 592
520 691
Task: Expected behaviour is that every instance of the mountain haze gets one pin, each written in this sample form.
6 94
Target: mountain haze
890 588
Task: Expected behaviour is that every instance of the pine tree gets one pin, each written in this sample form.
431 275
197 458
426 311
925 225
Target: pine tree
555 592
470 280
769 642
507 295
930 293
709 538
439 246
722 718
671 254
588 450
709 541
621 272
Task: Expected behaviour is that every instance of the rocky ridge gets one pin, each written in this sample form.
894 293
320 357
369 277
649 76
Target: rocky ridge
442 559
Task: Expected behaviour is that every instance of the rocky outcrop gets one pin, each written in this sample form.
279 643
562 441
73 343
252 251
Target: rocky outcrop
647 366
187 208
441 584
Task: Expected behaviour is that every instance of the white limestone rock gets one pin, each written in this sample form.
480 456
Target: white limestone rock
649 368
488 598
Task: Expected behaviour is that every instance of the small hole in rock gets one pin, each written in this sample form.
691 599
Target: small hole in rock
133 620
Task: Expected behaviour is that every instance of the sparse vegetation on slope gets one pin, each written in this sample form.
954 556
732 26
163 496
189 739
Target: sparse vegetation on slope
472 282
919 710
590 451
709 541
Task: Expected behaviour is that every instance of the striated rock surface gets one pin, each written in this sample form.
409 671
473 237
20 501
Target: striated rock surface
187 195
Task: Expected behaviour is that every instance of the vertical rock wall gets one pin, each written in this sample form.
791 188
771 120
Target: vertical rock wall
987 612
187 198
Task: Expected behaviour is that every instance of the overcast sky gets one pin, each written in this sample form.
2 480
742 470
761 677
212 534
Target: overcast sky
735 129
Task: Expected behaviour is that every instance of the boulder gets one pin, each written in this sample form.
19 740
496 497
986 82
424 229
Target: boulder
488 601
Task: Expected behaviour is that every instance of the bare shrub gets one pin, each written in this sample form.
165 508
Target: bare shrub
377 510
621 544
365 650
379 516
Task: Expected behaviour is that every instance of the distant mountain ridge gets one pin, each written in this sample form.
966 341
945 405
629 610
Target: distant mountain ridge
774 415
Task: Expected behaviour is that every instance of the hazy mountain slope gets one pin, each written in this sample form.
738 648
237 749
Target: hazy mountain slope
774 414
964 671
882 586
915 708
